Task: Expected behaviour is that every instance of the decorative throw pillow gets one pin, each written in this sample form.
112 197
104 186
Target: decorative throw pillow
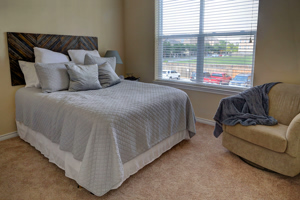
30 75
48 56
77 55
52 76
107 75
83 77
89 60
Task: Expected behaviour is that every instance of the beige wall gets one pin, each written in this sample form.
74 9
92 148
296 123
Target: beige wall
100 18
277 52
278 42
139 38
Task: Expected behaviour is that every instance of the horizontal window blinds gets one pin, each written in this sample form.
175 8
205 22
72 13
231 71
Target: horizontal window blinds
206 41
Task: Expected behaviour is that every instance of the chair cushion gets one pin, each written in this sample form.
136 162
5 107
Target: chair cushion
270 137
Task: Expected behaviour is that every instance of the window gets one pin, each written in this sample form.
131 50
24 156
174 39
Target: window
200 37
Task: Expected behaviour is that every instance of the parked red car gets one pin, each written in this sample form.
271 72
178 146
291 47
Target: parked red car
220 78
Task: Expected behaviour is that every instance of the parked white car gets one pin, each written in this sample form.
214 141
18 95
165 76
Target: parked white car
171 74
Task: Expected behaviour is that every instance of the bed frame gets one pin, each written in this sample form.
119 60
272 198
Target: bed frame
20 47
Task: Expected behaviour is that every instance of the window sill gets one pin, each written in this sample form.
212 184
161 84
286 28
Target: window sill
209 88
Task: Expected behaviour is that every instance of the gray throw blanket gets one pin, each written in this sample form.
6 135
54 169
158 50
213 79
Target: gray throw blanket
250 107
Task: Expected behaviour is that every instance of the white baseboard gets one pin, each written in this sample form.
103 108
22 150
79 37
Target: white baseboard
205 121
8 136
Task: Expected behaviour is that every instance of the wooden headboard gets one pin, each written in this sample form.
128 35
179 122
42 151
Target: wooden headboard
20 47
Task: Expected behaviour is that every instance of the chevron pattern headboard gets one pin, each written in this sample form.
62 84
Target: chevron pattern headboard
20 47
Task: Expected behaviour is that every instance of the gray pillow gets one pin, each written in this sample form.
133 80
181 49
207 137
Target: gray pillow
83 77
107 75
89 60
52 76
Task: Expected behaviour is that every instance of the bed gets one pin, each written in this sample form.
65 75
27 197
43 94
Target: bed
101 137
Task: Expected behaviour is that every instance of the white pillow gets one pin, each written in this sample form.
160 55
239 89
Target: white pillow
77 56
90 60
48 56
30 75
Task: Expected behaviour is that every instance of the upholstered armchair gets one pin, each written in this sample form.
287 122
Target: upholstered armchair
277 147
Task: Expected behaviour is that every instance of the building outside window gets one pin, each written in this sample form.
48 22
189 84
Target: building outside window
207 42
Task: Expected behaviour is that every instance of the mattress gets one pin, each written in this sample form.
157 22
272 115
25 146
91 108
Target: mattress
105 129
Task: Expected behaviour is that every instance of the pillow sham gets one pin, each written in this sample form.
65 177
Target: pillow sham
77 55
90 59
30 75
47 56
52 76
107 76
83 77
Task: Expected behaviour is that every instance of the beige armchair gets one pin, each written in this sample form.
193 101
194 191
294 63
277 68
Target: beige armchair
276 148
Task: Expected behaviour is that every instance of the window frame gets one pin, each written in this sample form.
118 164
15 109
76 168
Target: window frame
198 85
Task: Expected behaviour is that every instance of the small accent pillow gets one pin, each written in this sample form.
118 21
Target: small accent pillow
30 75
107 75
77 56
83 77
48 56
52 76
89 60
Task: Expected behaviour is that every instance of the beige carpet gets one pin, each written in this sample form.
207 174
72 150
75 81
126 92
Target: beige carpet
200 168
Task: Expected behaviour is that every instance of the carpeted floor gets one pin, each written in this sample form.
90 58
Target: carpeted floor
200 168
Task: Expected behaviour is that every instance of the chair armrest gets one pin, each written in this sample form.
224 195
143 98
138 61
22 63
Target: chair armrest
293 137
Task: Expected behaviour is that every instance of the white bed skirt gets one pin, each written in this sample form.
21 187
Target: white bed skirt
71 166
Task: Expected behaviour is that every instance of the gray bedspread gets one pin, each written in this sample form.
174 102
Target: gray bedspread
106 128
250 107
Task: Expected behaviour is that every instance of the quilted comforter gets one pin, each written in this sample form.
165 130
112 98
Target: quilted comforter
108 127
